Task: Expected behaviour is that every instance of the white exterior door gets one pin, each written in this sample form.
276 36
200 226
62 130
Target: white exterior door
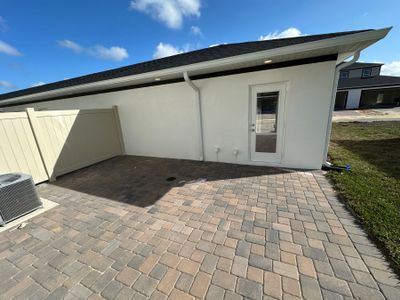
267 105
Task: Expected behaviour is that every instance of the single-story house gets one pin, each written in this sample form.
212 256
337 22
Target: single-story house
260 103
362 86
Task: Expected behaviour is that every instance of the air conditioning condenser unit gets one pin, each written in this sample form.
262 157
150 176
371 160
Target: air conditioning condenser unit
18 196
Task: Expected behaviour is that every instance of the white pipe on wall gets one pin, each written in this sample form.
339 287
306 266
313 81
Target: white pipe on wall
339 67
199 111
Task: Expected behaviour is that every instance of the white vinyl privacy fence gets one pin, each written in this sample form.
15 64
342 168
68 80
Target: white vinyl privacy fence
47 144
18 148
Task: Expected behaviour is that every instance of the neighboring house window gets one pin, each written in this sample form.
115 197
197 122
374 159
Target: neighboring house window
344 74
366 72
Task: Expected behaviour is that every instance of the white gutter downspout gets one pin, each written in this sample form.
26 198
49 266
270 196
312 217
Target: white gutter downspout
199 111
339 67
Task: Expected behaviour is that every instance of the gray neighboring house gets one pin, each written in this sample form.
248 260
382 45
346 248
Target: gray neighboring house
362 86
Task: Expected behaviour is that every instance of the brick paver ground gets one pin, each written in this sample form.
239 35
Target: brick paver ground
122 231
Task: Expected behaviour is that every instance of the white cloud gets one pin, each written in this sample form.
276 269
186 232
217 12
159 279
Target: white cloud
113 53
391 69
287 33
195 30
38 83
170 12
7 85
71 45
8 49
164 50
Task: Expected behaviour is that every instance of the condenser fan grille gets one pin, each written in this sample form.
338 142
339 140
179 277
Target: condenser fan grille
18 196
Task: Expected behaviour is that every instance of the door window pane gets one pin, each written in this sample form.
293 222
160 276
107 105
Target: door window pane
266 122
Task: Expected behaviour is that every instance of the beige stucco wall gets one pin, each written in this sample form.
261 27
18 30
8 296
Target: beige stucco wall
162 120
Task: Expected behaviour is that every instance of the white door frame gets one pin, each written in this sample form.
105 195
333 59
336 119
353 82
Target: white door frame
274 158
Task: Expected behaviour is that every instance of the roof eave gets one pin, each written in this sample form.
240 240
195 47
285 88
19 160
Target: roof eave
359 40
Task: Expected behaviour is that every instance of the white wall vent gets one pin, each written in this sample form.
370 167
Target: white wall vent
18 196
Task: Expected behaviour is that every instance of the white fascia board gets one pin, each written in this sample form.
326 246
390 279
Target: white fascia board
372 36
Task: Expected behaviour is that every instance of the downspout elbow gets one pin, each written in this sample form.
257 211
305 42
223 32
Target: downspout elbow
190 82
356 56
338 68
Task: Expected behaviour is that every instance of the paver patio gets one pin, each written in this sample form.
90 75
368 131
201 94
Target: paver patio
122 231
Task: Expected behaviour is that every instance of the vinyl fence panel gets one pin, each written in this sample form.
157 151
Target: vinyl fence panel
18 149
73 139
47 144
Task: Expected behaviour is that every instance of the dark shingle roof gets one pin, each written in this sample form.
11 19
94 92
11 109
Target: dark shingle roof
377 81
359 65
202 55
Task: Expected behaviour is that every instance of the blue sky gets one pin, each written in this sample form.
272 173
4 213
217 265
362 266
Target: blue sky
43 41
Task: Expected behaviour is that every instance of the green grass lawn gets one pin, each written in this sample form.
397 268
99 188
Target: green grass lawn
372 187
